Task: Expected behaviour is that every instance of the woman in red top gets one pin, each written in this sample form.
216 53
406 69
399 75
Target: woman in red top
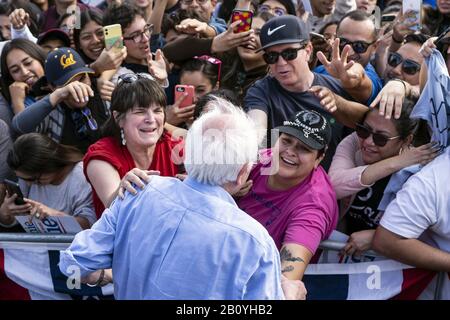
134 141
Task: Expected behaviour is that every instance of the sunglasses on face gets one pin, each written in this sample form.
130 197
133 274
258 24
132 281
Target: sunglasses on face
358 46
287 54
408 66
379 139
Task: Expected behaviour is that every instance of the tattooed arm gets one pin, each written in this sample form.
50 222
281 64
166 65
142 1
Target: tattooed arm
294 260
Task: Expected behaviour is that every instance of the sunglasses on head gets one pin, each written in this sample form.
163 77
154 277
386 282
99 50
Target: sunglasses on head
408 66
379 139
212 60
132 77
287 54
358 46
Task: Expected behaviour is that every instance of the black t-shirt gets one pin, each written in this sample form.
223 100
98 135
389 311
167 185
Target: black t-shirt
363 214
280 105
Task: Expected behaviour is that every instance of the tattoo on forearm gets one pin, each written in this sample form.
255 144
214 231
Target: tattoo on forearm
286 255
287 269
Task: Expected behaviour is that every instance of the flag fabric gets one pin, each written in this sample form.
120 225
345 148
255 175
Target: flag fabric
34 274
376 280
368 277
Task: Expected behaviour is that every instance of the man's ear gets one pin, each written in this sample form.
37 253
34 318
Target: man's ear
309 50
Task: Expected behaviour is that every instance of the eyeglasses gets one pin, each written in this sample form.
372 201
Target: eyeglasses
408 66
148 30
90 119
358 46
132 77
189 2
276 11
212 60
379 139
287 54
83 121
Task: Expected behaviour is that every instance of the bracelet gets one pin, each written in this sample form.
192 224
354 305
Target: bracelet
395 40
403 83
99 281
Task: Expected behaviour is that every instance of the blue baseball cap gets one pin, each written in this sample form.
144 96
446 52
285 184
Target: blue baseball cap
62 65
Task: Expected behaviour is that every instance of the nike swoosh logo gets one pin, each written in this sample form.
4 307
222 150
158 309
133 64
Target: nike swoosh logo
270 32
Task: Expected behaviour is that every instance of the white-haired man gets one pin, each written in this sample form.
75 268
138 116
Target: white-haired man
188 240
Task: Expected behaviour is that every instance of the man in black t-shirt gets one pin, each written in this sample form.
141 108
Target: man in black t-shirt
275 98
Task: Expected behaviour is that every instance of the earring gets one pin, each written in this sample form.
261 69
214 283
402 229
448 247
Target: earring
122 136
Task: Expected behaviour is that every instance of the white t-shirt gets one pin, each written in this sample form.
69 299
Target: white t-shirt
422 209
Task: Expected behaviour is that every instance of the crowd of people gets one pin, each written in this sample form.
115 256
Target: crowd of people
295 127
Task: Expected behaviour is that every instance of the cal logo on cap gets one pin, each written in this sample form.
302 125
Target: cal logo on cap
67 61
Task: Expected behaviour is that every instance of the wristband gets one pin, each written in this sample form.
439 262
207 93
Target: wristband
395 40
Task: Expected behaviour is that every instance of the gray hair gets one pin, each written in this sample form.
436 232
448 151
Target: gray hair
220 143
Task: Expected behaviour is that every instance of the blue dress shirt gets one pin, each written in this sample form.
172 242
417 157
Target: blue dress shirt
179 240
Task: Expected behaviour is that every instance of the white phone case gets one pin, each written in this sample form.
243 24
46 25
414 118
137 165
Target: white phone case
413 8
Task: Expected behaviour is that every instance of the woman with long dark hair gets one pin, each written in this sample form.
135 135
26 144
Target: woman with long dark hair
22 65
89 42
51 179
363 164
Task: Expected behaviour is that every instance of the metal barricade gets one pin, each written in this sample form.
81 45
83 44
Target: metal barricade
62 241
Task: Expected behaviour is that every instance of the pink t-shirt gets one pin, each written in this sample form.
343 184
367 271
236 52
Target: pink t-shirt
305 214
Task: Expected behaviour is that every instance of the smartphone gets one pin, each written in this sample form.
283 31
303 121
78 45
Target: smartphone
113 37
412 10
246 17
387 18
180 89
14 188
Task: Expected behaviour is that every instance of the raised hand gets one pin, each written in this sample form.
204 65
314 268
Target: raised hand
339 67
326 97
390 99
79 91
427 47
105 88
419 155
192 26
176 115
229 40
157 67
19 18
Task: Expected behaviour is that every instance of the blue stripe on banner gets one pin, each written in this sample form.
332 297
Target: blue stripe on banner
60 283
326 287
